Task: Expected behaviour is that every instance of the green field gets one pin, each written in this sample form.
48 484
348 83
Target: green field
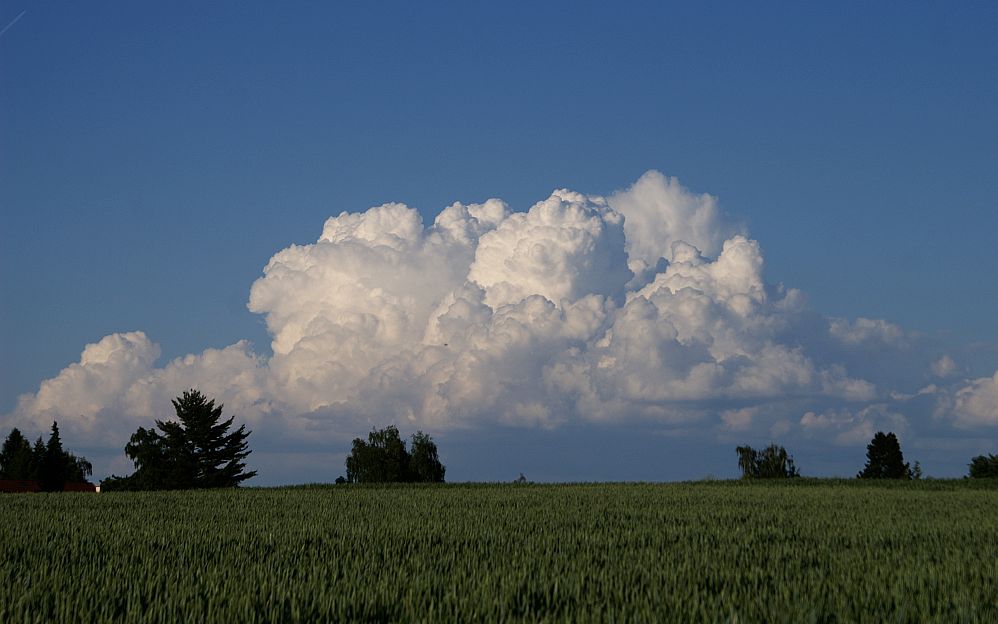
713 551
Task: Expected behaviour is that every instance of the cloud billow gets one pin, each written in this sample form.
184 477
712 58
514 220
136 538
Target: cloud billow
649 304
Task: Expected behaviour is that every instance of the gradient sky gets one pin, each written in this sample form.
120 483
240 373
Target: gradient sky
153 158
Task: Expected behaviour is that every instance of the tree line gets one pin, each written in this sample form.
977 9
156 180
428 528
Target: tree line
45 462
884 460
198 450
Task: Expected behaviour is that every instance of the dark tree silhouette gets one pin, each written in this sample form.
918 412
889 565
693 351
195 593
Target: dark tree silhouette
37 458
155 467
52 476
383 458
772 462
48 464
984 467
747 462
195 451
16 458
424 462
884 459
215 455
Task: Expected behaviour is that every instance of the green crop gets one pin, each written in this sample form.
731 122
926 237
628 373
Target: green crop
804 551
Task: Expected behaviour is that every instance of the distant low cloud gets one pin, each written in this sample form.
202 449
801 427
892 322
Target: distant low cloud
648 305
867 331
853 427
944 367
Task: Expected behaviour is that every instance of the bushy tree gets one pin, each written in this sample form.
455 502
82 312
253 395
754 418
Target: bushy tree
76 469
195 451
884 459
746 461
155 467
424 461
984 467
772 462
383 458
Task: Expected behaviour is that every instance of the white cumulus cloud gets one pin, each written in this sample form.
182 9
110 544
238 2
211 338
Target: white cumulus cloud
659 212
944 367
115 387
867 331
646 305
974 404
563 248
853 427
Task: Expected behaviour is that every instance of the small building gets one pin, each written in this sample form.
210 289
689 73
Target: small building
19 485
30 485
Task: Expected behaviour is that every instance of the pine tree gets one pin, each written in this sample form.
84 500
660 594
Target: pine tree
15 457
884 459
52 475
37 459
194 451
215 456
47 463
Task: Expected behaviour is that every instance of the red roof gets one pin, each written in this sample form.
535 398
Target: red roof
28 485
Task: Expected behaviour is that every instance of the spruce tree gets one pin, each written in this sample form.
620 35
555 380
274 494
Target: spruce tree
215 456
195 451
884 459
37 459
15 457
52 475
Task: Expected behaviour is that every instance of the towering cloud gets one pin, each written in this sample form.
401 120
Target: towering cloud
647 305
563 249
659 212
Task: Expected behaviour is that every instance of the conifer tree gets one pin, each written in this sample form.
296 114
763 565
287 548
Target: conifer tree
215 456
884 459
52 475
47 463
195 451
37 459
16 461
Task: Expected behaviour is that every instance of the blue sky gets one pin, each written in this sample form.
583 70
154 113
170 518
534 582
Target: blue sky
155 157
